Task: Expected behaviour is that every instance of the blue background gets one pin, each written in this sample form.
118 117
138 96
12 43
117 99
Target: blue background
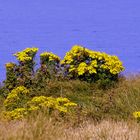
56 25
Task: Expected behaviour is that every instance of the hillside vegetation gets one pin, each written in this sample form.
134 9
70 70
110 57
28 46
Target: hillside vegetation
84 96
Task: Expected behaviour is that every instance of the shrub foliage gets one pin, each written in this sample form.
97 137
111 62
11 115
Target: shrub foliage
91 66
19 104
79 63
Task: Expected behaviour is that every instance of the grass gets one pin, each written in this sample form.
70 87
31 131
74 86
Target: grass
44 129
102 114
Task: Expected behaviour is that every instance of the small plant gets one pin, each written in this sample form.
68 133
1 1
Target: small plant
137 116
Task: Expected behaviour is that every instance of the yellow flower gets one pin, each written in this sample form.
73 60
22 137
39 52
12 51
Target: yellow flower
49 56
113 64
95 61
61 108
77 48
136 114
70 104
33 108
91 69
18 113
10 65
26 55
39 99
82 68
60 104
61 99
15 96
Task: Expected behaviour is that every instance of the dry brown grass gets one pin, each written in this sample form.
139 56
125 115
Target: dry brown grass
44 129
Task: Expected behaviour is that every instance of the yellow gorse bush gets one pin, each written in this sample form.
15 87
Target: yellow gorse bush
16 97
89 60
82 61
18 104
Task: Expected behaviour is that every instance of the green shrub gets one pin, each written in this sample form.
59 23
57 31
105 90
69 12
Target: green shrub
11 76
79 63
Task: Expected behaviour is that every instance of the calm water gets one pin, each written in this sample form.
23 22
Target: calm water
56 25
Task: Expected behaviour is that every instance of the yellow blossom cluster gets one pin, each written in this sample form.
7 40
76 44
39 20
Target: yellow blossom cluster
82 60
74 53
113 64
26 55
18 105
136 114
16 97
60 104
48 57
17 113
82 68
10 65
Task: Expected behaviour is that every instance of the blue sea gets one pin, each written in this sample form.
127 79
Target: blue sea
111 26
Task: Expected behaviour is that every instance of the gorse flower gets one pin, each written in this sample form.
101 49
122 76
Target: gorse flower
17 106
18 113
16 97
60 104
26 55
113 64
136 114
49 57
82 68
10 65
15 102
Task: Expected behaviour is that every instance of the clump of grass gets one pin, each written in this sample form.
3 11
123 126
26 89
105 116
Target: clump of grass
41 128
